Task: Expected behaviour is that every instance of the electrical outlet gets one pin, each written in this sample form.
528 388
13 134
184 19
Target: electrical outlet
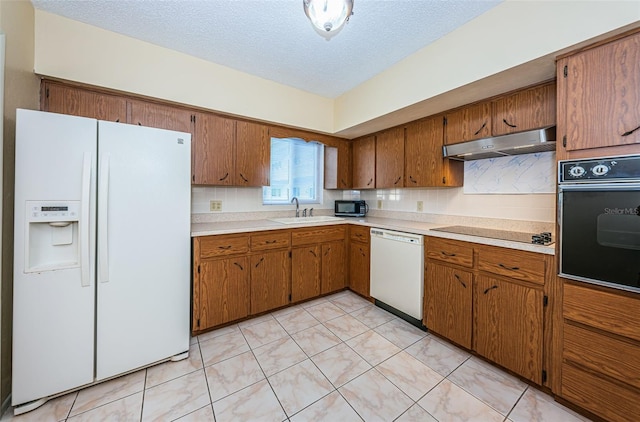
215 205
420 205
379 204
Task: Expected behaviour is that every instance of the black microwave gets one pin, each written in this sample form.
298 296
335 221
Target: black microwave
351 208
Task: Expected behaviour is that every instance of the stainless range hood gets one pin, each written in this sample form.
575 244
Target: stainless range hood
499 146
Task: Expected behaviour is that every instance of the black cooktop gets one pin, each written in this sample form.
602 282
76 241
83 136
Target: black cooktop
544 238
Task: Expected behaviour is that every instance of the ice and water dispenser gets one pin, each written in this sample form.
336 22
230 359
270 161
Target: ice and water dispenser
51 240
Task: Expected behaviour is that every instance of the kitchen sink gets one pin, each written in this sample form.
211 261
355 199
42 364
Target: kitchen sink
306 220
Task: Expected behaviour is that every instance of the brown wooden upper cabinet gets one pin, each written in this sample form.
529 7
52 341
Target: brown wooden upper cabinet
599 92
531 108
468 123
337 166
390 158
364 163
253 154
424 164
79 102
149 114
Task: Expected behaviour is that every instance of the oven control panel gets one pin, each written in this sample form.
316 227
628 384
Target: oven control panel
596 169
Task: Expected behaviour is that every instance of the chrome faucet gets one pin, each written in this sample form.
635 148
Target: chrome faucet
297 206
304 212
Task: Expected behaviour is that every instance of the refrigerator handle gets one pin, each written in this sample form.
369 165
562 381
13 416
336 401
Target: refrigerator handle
85 201
103 220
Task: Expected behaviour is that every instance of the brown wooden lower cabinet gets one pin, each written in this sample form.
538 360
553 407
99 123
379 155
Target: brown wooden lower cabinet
334 262
359 268
305 272
448 302
270 279
224 290
509 324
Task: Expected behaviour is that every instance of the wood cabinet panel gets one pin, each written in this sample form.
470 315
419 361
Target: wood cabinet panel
612 312
512 263
305 272
217 246
364 163
80 102
424 163
610 356
602 90
599 395
359 268
149 114
359 233
253 154
333 266
224 290
214 143
390 159
508 325
270 280
450 251
271 240
528 109
448 302
337 166
317 235
468 123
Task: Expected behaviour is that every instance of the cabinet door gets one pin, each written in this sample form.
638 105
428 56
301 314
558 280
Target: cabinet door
333 266
213 148
305 272
253 154
224 291
364 163
508 326
390 158
424 164
337 167
525 110
270 280
603 95
144 113
468 123
448 303
359 268
84 103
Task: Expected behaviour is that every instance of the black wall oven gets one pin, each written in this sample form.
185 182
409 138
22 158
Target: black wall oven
599 217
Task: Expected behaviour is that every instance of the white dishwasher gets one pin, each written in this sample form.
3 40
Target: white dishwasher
397 273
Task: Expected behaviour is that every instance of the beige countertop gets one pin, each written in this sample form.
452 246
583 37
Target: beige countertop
416 227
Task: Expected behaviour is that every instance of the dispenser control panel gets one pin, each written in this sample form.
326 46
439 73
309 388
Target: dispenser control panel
43 211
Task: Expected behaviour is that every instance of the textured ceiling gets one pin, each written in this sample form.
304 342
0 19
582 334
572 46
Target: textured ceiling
274 40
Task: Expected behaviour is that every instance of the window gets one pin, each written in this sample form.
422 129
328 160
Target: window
296 170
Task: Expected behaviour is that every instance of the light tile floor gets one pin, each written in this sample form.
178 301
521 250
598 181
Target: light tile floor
337 358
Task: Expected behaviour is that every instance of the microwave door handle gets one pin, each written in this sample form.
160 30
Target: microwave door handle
366 208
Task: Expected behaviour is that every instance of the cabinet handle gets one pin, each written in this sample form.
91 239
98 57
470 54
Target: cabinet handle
118 120
244 178
259 262
270 242
370 181
629 132
343 182
225 248
447 254
508 124
481 127
460 280
223 178
362 252
397 180
328 250
509 268
490 288
412 179
239 266
313 253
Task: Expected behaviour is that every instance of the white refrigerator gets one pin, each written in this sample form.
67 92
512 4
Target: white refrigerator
101 252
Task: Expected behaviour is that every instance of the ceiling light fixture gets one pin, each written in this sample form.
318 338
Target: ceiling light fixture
328 16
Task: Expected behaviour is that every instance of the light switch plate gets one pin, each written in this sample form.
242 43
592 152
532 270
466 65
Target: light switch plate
379 204
420 206
215 205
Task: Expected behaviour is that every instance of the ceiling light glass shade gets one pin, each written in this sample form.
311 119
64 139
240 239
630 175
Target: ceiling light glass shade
328 16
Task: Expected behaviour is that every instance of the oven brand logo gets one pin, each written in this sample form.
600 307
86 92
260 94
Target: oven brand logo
624 211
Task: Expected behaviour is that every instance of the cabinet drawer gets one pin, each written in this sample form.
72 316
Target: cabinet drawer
513 264
600 353
213 246
317 235
599 395
616 313
270 240
450 251
360 233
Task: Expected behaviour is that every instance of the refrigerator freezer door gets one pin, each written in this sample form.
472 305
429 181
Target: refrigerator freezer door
144 260
54 285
